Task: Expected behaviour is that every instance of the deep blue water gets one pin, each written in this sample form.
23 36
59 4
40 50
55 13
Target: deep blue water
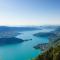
25 50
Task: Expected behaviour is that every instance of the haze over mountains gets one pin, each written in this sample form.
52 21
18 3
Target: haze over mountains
7 28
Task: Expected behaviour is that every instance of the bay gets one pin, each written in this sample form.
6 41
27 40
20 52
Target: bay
25 50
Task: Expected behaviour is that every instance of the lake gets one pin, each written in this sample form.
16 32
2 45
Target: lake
25 50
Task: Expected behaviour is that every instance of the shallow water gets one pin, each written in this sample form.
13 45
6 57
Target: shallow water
25 50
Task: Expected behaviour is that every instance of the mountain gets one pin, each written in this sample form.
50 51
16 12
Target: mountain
43 34
11 40
6 28
52 52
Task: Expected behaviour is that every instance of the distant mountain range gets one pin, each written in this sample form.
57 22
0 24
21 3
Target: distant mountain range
6 28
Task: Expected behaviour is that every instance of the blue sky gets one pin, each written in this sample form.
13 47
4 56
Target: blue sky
29 12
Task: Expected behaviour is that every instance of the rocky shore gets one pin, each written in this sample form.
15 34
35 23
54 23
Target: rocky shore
53 51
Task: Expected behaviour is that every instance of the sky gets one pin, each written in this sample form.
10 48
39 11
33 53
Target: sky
29 12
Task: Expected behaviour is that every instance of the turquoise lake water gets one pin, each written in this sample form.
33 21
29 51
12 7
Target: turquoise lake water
25 50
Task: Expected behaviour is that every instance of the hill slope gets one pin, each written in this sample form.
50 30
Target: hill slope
53 52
